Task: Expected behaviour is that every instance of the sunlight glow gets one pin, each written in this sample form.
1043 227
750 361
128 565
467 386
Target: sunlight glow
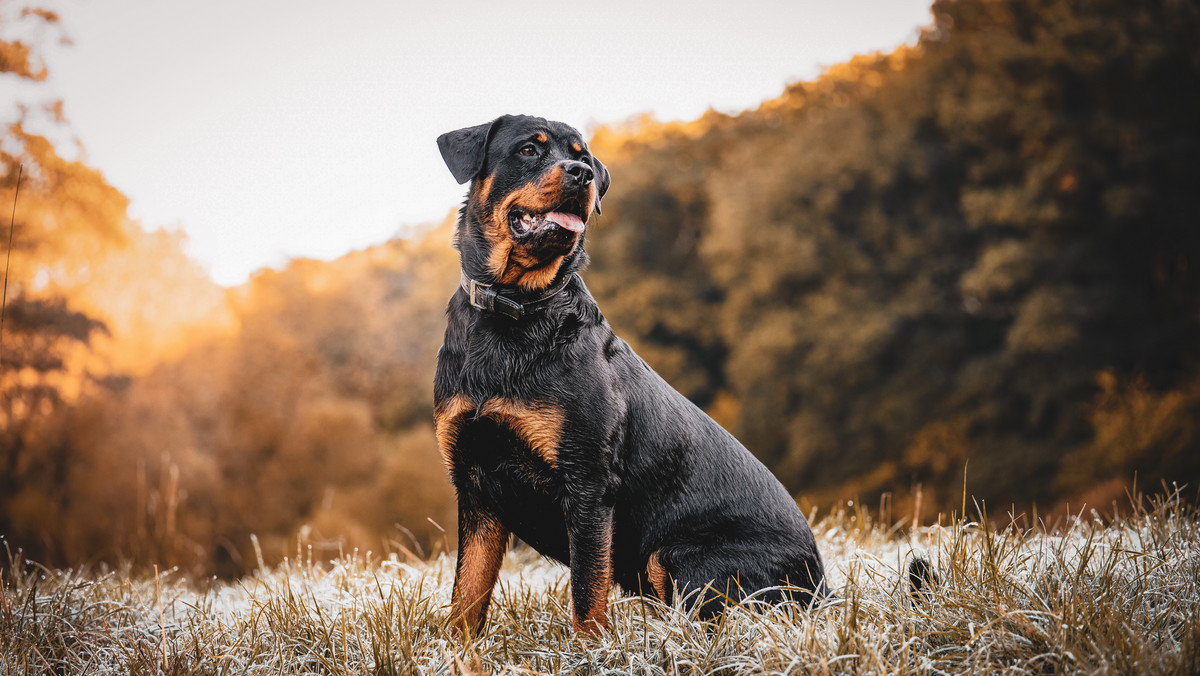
273 130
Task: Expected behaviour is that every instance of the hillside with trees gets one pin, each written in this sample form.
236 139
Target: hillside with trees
978 254
975 256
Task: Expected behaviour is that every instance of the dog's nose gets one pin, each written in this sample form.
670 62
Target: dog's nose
579 172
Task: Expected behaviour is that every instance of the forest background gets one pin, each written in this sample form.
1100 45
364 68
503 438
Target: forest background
973 262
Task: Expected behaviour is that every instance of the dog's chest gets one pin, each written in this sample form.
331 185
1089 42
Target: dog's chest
507 453
465 428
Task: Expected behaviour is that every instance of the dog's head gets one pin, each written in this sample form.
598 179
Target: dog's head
533 187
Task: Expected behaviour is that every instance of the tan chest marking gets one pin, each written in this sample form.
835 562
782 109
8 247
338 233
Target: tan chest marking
447 421
538 425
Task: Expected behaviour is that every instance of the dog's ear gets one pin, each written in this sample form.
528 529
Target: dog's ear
465 149
601 180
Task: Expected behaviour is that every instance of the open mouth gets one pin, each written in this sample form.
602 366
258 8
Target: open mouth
567 216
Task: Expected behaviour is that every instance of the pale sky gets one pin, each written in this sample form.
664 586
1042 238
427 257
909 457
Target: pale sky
275 129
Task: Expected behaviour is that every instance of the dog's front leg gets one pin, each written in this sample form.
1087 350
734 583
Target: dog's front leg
590 525
482 540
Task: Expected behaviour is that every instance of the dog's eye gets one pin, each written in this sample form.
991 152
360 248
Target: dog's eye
528 150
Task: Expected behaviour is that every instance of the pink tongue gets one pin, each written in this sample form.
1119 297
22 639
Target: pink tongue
569 221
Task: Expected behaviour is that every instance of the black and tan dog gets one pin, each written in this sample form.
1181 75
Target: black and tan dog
551 427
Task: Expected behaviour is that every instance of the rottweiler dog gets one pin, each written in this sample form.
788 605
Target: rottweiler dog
554 430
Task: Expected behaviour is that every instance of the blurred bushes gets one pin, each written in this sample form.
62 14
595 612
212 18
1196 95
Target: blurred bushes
926 261
979 254
146 414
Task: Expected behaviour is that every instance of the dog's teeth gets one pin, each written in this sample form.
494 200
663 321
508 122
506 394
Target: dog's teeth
527 223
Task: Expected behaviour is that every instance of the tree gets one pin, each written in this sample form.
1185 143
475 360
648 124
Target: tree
925 259
45 343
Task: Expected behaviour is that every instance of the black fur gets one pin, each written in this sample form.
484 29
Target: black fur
462 150
637 473
922 579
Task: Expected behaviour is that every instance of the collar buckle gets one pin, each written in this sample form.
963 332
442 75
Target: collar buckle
474 297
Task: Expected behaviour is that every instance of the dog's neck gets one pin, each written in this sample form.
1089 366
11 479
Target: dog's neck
509 301
482 287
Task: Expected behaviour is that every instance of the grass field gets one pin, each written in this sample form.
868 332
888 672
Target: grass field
1120 596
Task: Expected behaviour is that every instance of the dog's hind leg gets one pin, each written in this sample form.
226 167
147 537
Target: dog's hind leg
719 574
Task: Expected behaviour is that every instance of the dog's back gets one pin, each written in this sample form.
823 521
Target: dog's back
700 504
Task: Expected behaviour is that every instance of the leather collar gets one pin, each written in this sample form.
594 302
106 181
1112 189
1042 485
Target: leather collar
509 301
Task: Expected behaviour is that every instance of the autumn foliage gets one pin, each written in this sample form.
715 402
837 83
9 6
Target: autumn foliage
974 257
977 256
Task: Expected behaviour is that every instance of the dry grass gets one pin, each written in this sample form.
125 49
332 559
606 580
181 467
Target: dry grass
1094 597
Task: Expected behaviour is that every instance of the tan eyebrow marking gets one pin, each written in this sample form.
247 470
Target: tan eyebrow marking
542 138
578 148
